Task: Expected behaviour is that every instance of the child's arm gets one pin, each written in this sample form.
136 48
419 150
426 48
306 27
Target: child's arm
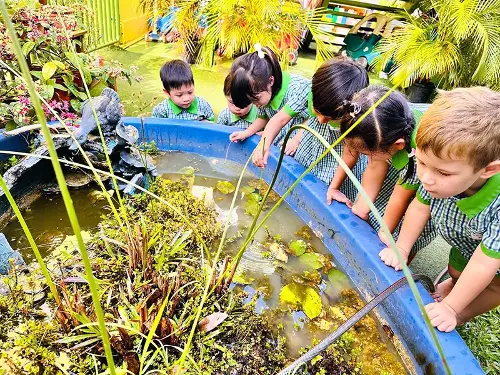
273 127
372 181
417 216
255 127
349 157
397 206
475 278
293 144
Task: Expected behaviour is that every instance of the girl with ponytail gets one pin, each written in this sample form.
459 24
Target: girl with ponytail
386 138
281 99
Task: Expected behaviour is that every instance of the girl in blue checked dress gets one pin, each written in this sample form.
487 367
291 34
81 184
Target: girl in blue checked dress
386 138
281 97
335 81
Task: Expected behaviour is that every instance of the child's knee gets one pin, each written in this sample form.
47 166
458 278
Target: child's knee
454 274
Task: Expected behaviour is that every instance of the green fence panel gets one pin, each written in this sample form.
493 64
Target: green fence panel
101 19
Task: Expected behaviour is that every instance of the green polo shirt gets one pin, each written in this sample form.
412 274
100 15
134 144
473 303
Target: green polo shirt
468 222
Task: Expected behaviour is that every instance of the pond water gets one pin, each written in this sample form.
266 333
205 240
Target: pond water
49 224
267 266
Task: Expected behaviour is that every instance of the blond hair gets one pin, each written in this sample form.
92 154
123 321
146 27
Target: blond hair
463 123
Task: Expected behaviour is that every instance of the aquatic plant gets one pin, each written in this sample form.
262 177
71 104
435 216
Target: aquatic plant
134 247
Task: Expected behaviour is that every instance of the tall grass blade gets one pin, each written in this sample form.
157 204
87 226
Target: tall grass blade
62 184
31 241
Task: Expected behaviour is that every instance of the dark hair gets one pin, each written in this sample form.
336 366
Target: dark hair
175 74
390 120
335 81
227 85
250 76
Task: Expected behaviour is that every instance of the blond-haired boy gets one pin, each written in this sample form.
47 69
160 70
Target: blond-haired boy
458 164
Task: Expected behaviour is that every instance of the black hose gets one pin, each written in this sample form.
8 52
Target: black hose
325 343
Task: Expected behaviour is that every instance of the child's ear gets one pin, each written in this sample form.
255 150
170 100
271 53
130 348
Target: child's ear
270 83
166 93
400 144
491 169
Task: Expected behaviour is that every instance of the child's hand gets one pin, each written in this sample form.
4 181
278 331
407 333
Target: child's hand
260 155
238 136
337 195
442 316
358 212
291 147
390 258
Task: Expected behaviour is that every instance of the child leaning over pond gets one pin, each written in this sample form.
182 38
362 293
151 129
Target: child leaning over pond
281 98
458 163
181 102
234 116
386 137
334 82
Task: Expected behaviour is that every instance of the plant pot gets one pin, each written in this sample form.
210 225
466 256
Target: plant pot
420 92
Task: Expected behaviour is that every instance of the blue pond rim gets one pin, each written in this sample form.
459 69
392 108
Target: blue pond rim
351 241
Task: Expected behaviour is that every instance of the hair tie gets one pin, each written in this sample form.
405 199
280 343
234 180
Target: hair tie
355 107
258 48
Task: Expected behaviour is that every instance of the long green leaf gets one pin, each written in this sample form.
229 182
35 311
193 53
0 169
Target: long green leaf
62 184
31 241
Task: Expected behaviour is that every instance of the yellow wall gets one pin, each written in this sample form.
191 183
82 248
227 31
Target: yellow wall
132 24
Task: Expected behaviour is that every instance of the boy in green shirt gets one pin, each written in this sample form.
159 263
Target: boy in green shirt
458 164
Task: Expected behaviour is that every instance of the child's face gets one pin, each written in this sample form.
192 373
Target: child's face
240 112
357 144
444 178
183 96
264 97
322 119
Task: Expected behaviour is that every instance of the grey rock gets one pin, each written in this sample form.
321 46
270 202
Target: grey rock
107 107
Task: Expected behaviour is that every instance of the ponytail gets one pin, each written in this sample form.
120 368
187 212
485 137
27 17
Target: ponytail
250 75
389 121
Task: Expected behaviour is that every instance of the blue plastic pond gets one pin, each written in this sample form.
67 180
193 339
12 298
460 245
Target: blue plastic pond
352 242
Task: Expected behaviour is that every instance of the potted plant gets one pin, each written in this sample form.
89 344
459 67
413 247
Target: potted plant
446 43
232 27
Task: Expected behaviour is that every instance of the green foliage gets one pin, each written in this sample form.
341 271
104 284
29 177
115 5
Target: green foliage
482 336
225 187
8 163
455 42
235 26
298 247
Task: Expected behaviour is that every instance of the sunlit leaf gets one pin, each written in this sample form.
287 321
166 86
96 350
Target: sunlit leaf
303 297
240 278
298 247
49 69
312 260
338 279
225 187
187 171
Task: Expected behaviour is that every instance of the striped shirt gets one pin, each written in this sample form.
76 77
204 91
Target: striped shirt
292 98
228 118
467 223
198 110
